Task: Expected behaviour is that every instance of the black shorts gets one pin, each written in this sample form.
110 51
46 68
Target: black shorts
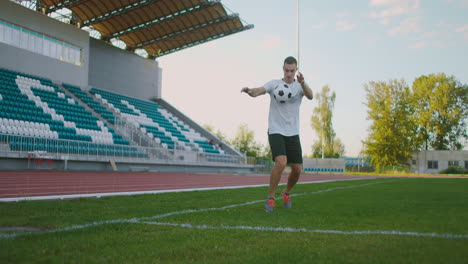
286 146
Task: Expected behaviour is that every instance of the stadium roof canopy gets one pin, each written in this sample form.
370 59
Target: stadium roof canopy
158 26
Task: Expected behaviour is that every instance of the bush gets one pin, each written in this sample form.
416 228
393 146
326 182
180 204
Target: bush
454 170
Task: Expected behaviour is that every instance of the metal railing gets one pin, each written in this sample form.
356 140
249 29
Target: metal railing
61 149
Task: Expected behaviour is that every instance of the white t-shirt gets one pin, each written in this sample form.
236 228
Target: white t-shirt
284 117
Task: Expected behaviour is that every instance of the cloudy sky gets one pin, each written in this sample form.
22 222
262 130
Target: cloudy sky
343 44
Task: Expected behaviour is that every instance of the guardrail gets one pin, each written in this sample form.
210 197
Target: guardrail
62 149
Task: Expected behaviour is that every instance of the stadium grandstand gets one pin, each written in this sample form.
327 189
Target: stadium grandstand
80 85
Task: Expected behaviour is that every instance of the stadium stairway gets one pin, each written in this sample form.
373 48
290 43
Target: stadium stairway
67 90
88 100
156 123
134 137
36 115
95 108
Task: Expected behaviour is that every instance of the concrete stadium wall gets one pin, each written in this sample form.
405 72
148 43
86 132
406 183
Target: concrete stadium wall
15 164
324 163
25 61
123 72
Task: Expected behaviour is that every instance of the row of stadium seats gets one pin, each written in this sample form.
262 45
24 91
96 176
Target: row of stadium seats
26 128
324 170
156 122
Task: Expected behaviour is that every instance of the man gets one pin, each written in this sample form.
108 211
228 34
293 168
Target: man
283 129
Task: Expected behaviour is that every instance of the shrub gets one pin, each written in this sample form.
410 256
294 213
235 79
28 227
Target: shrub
454 170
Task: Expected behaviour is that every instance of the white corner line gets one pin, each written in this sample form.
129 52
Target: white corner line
305 230
136 220
99 195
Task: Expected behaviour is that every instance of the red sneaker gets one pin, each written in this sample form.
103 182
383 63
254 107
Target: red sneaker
270 203
286 199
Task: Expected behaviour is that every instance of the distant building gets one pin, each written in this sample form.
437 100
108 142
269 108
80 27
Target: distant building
434 161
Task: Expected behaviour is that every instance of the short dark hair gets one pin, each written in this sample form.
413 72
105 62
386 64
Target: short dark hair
290 60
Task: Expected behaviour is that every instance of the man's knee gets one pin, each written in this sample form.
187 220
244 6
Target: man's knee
280 162
296 169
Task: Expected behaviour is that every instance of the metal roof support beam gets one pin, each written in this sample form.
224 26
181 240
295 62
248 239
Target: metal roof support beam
40 7
126 9
164 19
119 11
63 4
178 33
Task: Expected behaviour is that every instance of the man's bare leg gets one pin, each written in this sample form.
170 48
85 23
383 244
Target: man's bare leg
296 170
276 172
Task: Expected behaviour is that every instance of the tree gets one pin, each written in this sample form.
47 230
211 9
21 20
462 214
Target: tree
441 111
338 148
391 134
321 122
245 143
218 133
265 151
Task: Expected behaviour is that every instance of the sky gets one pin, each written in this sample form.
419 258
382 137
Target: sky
342 44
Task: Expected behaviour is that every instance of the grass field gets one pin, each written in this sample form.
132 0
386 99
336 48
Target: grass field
386 220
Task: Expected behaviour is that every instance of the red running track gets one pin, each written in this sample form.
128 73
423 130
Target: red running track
44 184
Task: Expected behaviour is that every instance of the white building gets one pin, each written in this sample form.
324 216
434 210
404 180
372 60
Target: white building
433 161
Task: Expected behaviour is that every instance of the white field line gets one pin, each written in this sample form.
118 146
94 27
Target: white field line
304 230
257 228
98 195
257 201
133 220
75 227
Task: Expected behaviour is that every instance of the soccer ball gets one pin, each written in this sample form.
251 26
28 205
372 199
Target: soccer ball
282 93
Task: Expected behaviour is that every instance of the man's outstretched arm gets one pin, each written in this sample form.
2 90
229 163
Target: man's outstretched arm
254 92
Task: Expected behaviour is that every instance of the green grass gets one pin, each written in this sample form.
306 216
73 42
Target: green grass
406 174
385 204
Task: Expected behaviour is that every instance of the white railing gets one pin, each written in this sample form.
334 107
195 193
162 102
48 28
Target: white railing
61 149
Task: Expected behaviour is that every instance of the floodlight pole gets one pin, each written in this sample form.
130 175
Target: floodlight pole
297 32
297 58
323 143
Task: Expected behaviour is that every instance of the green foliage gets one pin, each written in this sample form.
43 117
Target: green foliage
392 131
321 122
454 170
244 141
218 133
431 115
266 152
338 150
441 110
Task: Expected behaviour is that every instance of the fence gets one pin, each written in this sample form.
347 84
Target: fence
61 149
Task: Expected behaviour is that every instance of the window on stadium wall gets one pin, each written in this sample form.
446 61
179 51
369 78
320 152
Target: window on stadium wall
453 163
432 164
38 43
